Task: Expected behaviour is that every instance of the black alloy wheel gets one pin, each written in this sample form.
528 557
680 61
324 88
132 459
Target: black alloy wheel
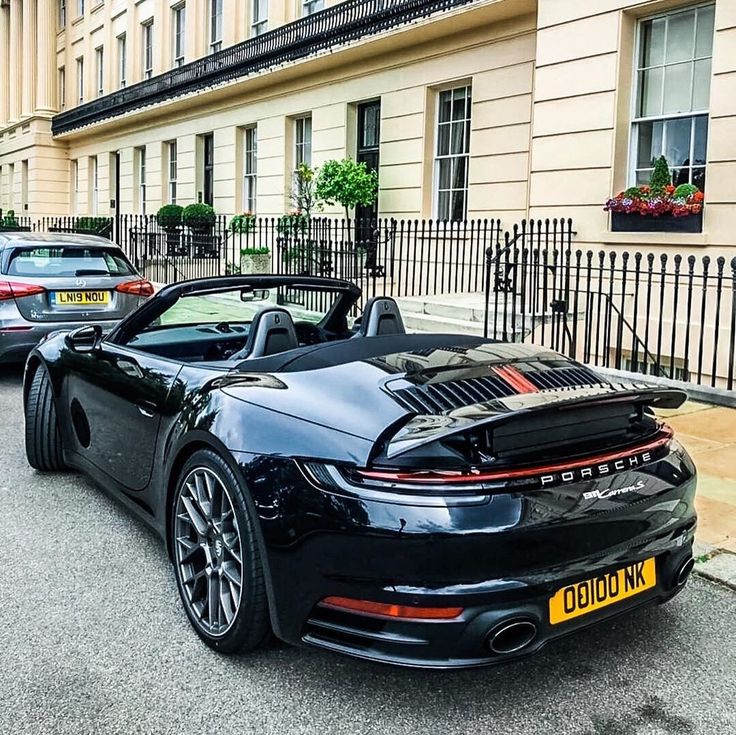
216 557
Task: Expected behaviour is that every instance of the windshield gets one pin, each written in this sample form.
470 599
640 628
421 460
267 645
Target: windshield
73 261
240 306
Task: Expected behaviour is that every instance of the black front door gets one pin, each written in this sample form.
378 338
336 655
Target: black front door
116 398
209 169
368 152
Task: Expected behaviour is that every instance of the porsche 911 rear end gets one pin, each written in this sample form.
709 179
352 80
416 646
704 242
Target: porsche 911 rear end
513 503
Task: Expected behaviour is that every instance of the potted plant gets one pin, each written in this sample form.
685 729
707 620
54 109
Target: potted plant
658 207
243 224
199 218
255 261
347 183
169 219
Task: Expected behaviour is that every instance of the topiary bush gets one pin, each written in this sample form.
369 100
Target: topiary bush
200 217
169 217
242 224
661 176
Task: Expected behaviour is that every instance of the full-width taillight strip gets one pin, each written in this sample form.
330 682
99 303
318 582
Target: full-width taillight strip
447 477
390 611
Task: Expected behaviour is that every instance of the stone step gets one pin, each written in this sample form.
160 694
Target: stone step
416 322
462 309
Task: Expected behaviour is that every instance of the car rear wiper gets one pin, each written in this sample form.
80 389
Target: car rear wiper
91 272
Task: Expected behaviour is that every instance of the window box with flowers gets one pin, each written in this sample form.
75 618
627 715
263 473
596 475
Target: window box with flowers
658 207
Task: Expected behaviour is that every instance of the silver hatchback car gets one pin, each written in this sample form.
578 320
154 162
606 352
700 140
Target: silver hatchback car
54 281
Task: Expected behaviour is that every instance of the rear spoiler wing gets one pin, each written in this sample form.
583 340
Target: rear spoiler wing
422 430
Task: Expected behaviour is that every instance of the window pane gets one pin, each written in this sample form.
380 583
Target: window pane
445 176
642 177
652 42
459 174
701 85
650 86
458 105
445 106
677 81
704 35
699 178
443 205
680 176
677 137
458 138
649 143
458 205
443 140
701 139
681 37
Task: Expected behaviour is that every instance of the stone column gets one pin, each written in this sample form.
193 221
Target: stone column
28 97
46 82
4 69
15 62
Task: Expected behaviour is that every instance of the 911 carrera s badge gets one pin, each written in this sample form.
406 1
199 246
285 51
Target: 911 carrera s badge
613 491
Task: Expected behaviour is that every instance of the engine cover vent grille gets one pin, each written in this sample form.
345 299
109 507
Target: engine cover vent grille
441 397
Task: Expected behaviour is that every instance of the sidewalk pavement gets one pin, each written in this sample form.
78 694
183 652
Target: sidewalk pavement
709 434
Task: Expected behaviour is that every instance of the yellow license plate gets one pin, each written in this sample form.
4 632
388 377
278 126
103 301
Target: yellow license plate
81 298
582 598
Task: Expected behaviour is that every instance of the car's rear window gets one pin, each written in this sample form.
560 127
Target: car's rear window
60 261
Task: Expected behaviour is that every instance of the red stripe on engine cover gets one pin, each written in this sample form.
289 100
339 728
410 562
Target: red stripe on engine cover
516 379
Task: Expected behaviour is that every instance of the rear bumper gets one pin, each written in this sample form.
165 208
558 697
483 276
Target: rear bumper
499 561
19 337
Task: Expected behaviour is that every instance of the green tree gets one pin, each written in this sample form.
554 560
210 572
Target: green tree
303 194
347 183
661 176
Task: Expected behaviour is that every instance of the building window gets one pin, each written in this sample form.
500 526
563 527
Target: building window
100 71
453 153
141 158
122 59
80 8
80 80
147 49
62 13
312 6
302 141
250 169
673 71
75 187
173 161
62 88
215 25
178 32
208 168
95 176
260 17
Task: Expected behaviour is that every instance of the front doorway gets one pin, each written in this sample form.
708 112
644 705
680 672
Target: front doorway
368 152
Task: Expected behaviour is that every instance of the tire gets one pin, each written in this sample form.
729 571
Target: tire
43 438
211 528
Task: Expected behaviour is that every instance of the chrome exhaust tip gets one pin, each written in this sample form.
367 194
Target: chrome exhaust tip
512 636
684 571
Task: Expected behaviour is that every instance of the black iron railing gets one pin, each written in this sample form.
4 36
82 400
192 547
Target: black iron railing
336 26
667 316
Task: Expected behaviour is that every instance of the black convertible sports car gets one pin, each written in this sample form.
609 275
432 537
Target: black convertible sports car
420 499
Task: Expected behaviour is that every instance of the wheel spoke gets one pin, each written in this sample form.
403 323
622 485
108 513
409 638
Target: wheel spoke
199 523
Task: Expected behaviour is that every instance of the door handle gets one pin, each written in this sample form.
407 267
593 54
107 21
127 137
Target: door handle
147 408
130 368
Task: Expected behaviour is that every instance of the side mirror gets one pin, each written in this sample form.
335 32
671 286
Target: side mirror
85 339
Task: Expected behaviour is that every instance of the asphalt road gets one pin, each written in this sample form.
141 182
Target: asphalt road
93 640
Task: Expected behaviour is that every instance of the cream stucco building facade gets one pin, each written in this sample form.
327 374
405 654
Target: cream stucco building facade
469 108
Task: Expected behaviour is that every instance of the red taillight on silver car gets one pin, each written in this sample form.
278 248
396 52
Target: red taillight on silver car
136 288
10 290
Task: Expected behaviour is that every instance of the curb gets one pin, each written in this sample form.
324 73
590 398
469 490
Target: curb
716 565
